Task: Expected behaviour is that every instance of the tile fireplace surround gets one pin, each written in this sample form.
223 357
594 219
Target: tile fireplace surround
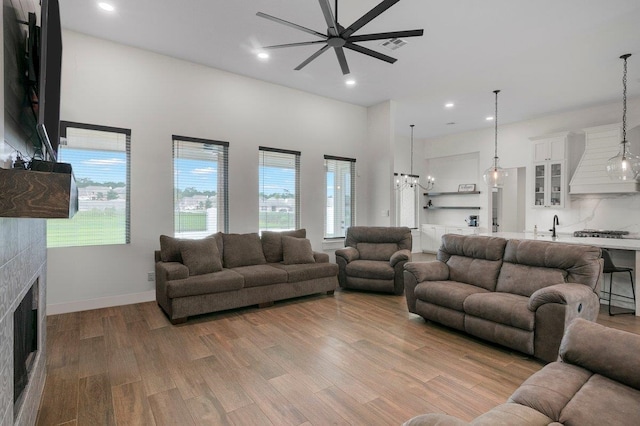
23 260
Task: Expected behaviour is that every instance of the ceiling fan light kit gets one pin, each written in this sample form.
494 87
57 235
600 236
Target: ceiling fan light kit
340 38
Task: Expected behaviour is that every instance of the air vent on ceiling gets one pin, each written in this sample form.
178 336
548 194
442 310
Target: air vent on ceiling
393 43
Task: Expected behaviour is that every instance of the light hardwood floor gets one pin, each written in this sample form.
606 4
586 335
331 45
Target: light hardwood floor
352 358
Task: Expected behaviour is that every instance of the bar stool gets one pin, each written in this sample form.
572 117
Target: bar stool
610 268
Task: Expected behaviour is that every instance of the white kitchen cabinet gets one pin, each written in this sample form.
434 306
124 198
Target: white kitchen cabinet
550 170
431 237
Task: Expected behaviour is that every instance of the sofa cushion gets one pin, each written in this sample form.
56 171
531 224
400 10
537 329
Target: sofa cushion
272 243
503 308
479 272
400 235
450 294
296 251
526 280
550 389
259 275
376 251
170 249
370 269
215 282
242 250
200 256
580 262
310 271
592 405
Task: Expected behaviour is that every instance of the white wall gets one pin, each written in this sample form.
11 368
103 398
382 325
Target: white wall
381 148
515 150
156 96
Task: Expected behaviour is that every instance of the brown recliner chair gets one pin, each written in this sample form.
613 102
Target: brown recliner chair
373 258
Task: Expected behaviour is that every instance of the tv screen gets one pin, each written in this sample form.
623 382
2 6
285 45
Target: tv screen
49 77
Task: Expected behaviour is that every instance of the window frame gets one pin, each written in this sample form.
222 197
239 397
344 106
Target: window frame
352 195
224 185
297 155
64 126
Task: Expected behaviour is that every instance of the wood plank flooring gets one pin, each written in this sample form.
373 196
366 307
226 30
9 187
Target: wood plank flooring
352 358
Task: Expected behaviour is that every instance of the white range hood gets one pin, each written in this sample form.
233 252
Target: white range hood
590 177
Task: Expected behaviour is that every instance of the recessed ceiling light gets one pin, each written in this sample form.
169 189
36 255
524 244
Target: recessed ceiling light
263 55
489 118
448 105
106 6
350 82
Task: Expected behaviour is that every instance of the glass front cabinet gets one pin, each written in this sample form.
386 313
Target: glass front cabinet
549 184
550 170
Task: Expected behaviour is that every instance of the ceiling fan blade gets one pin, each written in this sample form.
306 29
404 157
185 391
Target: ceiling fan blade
342 60
368 17
370 52
303 43
328 17
311 58
290 24
382 36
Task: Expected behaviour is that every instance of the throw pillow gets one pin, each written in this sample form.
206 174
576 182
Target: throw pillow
297 250
200 256
170 249
272 243
242 250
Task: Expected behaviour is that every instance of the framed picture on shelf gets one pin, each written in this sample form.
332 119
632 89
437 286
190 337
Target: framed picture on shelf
467 187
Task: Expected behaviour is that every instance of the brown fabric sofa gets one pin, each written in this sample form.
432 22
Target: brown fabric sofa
373 258
517 293
226 271
596 381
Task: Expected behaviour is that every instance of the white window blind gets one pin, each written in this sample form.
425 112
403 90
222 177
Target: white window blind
340 195
200 176
279 189
99 156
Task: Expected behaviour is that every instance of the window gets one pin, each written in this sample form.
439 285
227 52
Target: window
340 201
200 187
99 156
279 187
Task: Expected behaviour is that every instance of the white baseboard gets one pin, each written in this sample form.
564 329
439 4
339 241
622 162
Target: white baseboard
103 302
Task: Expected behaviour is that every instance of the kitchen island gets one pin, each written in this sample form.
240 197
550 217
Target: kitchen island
630 246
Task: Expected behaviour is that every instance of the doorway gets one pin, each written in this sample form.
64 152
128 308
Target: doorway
508 203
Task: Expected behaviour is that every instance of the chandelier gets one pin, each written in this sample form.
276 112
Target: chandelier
410 180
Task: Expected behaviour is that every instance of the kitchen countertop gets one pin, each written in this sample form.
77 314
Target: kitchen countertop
610 243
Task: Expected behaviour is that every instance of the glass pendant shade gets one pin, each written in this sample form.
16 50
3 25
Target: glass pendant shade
495 175
625 166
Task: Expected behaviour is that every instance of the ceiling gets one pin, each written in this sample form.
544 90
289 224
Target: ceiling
546 56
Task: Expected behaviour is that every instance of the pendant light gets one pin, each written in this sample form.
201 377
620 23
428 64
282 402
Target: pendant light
495 175
625 166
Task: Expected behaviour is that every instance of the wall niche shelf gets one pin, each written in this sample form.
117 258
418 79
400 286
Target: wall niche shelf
452 207
435 194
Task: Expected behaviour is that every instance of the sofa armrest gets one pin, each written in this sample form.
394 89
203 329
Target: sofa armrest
170 271
603 350
320 257
428 271
399 256
564 294
349 254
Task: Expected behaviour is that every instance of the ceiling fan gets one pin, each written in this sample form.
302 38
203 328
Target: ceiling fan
339 37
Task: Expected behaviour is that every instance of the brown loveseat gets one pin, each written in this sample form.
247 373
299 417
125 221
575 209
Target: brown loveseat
373 258
517 293
596 381
226 271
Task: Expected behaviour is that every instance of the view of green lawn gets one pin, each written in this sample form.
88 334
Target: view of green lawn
87 228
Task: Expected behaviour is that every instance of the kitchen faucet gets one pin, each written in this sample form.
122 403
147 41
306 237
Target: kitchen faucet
555 222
